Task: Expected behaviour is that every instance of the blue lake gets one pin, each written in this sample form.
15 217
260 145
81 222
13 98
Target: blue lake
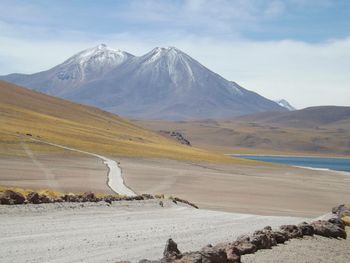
338 164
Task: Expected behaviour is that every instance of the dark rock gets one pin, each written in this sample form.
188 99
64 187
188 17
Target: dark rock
243 238
306 229
71 198
212 255
280 237
147 196
338 222
10 197
58 200
150 261
45 199
244 247
171 252
341 211
232 254
177 136
88 197
261 241
33 198
327 229
292 231
337 209
264 238
192 257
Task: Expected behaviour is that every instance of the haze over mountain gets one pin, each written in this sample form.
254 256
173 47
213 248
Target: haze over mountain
165 83
311 117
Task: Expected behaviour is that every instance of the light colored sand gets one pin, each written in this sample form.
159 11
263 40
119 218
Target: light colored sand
125 231
315 249
269 190
114 175
65 173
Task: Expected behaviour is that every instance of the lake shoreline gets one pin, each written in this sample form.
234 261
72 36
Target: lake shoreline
305 162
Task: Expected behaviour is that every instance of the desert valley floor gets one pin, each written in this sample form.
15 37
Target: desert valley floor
256 189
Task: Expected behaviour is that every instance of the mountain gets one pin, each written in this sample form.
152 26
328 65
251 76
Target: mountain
23 111
165 83
306 118
73 73
285 104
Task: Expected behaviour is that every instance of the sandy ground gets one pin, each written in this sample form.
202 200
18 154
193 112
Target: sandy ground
268 190
264 190
66 173
114 176
124 231
315 249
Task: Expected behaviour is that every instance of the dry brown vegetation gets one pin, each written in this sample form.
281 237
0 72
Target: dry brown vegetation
25 114
238 136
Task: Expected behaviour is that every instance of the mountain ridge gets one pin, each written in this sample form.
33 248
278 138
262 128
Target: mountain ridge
164 83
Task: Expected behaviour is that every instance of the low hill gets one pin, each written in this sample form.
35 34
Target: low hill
306 118
26 114
252 135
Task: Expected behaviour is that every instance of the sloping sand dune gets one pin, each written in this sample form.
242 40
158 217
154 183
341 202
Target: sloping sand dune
93 232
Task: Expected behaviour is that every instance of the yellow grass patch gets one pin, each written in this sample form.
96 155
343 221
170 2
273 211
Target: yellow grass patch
25 114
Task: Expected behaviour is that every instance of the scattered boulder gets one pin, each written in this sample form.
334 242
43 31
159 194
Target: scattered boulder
337 209
337 221
89 197
10 197
191 257
177 136
171 252
341 210
245 247
327 229
233 255
213 255
45 199
264 239
33 198
306 229
260 240
71 198
147 196
243 238
292 231
281 237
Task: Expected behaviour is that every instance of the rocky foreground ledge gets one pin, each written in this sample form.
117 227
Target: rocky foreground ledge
11 197
265 238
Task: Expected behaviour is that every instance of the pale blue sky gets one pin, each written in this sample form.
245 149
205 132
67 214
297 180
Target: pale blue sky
293 49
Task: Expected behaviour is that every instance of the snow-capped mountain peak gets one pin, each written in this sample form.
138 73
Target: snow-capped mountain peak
165 83
285 104
91 63
99 55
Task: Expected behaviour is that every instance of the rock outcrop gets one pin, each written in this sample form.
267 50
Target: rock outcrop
265 238
10 197
327 229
